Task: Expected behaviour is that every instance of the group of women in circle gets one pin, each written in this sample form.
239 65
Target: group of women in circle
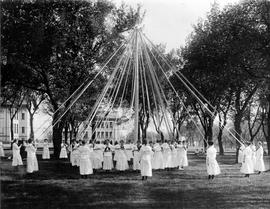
90 156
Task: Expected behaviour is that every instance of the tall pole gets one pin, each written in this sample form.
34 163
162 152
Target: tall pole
136 122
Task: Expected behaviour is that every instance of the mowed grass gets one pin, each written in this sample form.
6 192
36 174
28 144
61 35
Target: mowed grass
58 185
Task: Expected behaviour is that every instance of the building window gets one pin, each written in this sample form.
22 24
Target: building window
17 128
106 134
110 134
107 125
102 135
111 125
102 125
98 135
23 116
23 130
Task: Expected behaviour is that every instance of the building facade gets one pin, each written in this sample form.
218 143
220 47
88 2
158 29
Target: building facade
21 124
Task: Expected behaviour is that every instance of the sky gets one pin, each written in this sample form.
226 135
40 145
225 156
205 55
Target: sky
170 21
167 22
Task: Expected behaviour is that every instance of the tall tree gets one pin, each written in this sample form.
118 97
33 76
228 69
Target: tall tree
53 46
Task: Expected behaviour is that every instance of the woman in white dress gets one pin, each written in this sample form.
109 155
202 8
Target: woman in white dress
240 153
2 153
174 155
63 152
136 153
108 162
74 153
167 155
211 162
85 160
32 163
259 165
182 155
16 157
158 162
247 167
122 160
145 160
46 151
98 155
129 151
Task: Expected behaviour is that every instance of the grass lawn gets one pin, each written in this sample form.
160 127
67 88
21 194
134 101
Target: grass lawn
57 185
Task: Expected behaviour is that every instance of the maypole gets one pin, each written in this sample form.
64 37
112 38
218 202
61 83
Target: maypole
136 99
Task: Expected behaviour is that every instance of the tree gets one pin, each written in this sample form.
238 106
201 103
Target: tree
33 101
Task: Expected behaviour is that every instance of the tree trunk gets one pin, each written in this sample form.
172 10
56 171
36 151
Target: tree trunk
66 133
57 136
11 129
31 126
238 131
220 144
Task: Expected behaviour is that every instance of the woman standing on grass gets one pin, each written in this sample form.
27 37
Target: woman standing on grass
211 162
145 160
158 162
16 159
46 151
108 162
182 155
85 160
167 155
259 165
63 152
122 159
32 163
247 165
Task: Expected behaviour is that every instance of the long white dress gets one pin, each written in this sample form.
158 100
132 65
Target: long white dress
16 159
211 162
32 163
167 155
63 152
129 151
46 152
158 162
247 165
259 165
182 156
240 154
145 159
108 162
98 156
2 153
122 160
85 161
136 161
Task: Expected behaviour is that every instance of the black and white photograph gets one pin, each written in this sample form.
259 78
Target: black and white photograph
122 104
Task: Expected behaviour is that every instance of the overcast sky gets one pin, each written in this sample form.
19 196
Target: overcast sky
170 21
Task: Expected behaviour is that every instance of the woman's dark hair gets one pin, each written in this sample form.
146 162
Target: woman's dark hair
30 140
144 141
210 143
83 142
